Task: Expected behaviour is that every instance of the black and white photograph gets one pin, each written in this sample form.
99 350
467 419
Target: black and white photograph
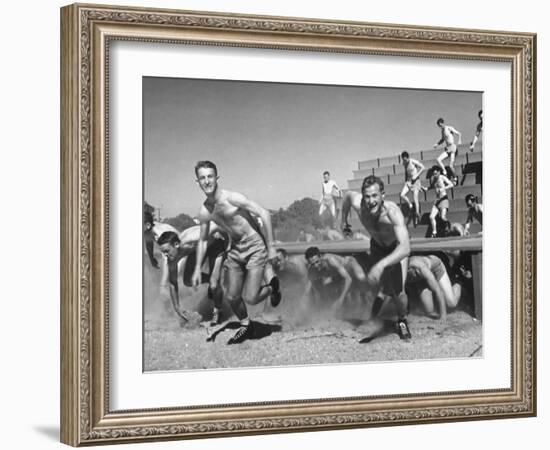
294 224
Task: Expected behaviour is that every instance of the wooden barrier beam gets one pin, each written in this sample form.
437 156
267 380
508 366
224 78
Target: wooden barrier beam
471 244
466 243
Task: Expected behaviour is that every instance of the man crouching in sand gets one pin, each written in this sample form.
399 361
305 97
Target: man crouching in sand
249 252
389 245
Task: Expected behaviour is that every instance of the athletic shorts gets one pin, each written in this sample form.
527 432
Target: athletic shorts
438 268
414 187
391 282
450 149
214 249
327 200
248 253
443 202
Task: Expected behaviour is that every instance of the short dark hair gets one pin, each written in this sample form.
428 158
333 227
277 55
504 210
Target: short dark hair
311 252
370 181
436 169
282 251
440 121
405 155
168 237
205 165
470 197
148 218
326 172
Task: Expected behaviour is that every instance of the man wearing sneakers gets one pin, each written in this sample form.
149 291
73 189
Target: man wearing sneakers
389 245
413 170
249 252
441 205
447 136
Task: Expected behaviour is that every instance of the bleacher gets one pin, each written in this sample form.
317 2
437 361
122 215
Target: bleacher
468 167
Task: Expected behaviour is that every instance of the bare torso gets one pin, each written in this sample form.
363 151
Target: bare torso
328 271
237 222
476 212
447 135
440 185
379 226
411 171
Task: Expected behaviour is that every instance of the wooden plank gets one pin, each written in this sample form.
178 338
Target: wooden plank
477 274
466 243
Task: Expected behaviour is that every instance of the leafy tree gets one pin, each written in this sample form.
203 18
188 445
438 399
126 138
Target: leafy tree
181 221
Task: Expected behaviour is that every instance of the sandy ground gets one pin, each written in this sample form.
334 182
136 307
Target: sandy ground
291 335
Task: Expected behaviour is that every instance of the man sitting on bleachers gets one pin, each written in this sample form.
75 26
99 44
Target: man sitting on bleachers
475 211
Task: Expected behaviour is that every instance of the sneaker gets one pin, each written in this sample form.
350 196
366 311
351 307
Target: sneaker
403 329
215 317
242 333
275 296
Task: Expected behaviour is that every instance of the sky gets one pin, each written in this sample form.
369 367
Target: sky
273 141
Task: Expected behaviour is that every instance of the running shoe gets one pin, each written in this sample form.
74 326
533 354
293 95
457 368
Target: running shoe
242 333
403 329
215 317
275 296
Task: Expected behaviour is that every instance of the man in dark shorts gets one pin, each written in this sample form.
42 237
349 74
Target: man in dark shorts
390 247
440 183
180 258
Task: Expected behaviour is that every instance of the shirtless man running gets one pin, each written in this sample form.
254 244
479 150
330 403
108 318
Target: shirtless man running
389 245
441 205
249 252
447 137
413 170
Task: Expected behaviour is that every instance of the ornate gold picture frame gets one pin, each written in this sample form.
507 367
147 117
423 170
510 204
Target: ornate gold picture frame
87 32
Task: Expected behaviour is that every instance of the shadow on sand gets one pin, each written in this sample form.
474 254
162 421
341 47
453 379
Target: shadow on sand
260 330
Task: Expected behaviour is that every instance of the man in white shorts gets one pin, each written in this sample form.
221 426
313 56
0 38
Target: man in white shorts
413 170
448 133
330 191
